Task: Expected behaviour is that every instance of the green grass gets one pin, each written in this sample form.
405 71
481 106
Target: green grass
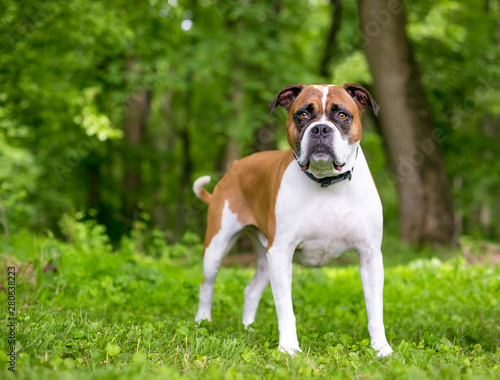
106 313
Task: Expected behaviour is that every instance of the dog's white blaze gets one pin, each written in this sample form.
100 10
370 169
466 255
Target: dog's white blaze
324 90
305 140
323 101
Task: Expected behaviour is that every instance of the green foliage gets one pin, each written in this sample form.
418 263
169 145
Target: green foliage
73 73
105 313
457 45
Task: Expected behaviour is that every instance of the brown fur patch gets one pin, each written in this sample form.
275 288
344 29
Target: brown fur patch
308 95
338 95
250 186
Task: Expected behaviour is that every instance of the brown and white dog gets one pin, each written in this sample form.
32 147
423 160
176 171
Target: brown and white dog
308 204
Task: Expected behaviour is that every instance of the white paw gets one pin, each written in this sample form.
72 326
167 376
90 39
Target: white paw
248 326
202 317
290 349
383 351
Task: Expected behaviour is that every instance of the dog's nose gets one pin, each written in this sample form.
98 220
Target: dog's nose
321 130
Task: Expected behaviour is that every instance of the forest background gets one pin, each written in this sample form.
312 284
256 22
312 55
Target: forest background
110 109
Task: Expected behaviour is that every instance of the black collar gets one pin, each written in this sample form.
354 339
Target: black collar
327 181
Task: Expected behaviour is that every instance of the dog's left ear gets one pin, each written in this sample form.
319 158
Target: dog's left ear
362 97
286 97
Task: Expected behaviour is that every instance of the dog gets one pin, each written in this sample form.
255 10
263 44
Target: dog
308 204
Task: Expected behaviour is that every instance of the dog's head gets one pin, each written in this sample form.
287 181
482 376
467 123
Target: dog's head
324 124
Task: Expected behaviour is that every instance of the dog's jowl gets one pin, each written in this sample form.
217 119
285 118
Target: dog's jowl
308 204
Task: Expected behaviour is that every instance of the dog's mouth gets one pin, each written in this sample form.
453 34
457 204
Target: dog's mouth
320 150
321 156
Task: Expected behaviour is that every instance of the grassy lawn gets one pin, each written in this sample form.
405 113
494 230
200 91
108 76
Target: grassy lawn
86 311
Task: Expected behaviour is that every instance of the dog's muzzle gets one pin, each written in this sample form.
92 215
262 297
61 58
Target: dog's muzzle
320 140
321 133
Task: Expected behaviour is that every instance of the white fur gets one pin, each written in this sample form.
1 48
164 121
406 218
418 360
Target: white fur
323 224
323 100
200 183
219 246
253 291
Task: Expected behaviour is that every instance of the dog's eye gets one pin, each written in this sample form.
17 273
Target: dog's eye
341 115
304 115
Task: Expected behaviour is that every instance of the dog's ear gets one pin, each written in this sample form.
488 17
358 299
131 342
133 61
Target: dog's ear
362 97
286 97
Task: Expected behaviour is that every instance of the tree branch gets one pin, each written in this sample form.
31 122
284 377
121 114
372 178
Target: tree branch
330 42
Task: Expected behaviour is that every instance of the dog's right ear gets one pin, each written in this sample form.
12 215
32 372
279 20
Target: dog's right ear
286 96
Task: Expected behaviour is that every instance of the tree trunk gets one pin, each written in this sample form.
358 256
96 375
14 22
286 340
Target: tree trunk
324 69
184 208
137 108
413 141
265 136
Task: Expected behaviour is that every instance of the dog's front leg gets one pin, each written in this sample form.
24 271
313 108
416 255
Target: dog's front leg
371 271
280 272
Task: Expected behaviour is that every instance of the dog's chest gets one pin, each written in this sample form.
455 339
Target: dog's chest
324 229
323 223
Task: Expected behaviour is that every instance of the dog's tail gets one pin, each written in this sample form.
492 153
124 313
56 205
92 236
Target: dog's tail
198 189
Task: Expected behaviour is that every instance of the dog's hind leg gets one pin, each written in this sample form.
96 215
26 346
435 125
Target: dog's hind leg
253 291
220 242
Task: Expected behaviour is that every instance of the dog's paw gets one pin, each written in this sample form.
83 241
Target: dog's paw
247 323
383 351
202 317
289 349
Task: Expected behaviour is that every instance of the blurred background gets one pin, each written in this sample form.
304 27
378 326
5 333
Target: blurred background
109 110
